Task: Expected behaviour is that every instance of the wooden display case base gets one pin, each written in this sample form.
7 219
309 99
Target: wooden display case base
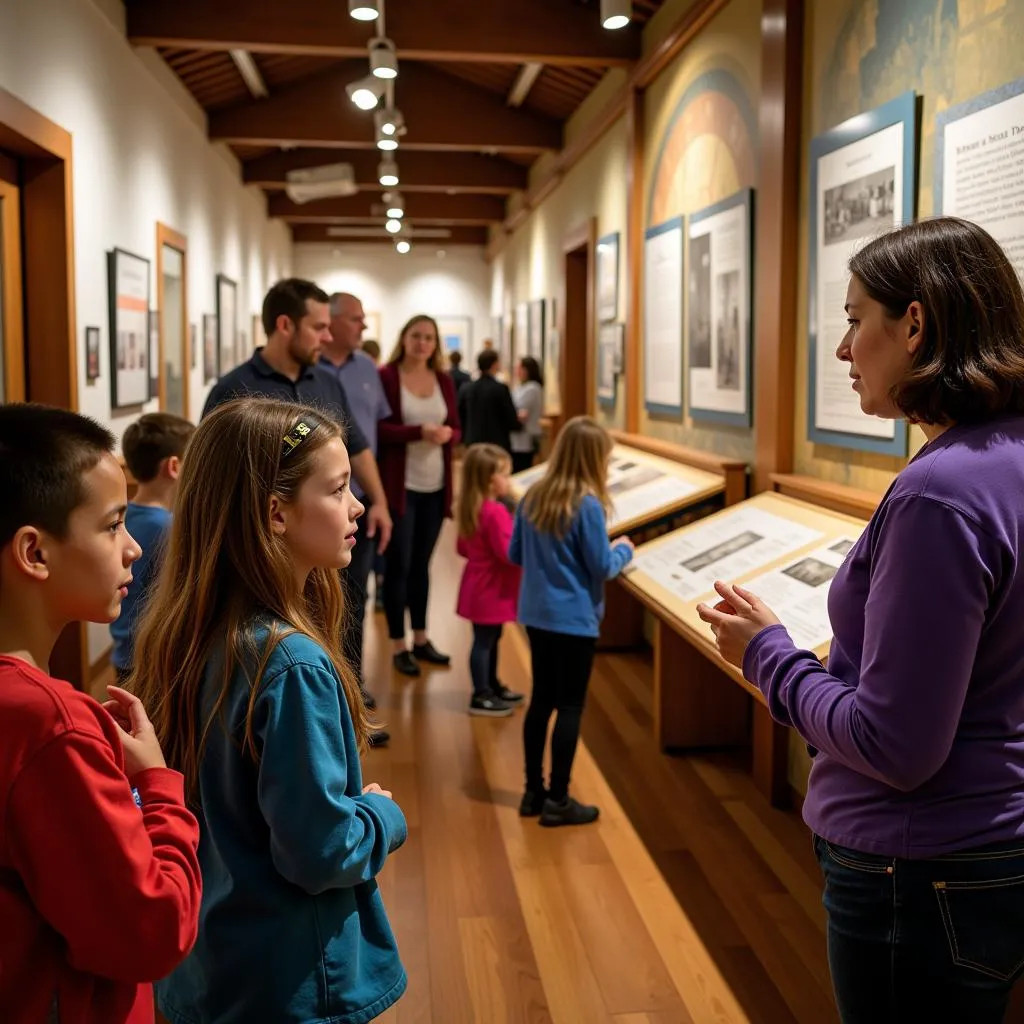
623 626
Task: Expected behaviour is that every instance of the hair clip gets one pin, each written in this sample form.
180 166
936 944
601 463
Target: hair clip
297 435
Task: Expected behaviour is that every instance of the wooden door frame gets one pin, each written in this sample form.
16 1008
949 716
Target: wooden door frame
13 327
43 152
177 241
582 238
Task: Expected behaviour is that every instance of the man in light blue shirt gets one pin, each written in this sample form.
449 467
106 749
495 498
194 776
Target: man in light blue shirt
343 359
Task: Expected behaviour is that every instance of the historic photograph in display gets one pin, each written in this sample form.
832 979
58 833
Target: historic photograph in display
608 277
862 184
719 334
128 285
227 322
536 347
211 365
609 340
92 353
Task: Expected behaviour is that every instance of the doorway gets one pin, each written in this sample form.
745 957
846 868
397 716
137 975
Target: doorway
172 303
576 374
12 342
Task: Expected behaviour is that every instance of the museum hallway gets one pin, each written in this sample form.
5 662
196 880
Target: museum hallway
690 900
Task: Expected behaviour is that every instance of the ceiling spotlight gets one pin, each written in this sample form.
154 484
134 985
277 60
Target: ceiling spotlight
366 92
616 13
395 203
389 122
403 246
394 226
383 59
387 172
364 10
387 143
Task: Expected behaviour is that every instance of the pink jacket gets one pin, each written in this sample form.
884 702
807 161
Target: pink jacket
489 594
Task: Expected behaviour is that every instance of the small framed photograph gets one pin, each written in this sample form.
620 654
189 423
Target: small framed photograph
92 354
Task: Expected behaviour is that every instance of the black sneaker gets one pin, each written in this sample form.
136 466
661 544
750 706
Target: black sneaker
430 654
406 664
568 812
509 696
489 707
379 738
368 700
532 803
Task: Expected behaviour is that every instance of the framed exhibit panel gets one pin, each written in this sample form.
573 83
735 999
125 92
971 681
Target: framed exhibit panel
610 339
863 182
128 287
608 278
193 345
552 361
227 322
174 358
536 345
92 354
456 334
507 342
719 335
663 319
520 337
211 354
644 488
979 152
154 355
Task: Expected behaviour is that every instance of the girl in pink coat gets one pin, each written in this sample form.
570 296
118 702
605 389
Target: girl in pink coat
489 592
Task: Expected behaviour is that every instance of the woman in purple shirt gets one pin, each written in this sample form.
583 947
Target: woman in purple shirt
916 793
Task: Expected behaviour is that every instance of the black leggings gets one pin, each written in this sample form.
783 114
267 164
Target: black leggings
407 575
521 461
483 660
561 672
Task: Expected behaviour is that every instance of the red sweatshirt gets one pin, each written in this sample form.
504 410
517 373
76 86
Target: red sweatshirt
97 898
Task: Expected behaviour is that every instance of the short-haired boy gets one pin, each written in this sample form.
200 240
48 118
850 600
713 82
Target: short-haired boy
153 447
99 879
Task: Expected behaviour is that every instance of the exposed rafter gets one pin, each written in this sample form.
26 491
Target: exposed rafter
528 74
437 237
419 207
519 32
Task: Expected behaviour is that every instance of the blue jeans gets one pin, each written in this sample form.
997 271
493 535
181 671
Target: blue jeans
938 940
483 660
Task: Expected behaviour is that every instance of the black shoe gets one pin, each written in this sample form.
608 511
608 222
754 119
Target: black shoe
368 700
430 654
378 601
489 707
509 696
380 738
532 803
406 664
568 812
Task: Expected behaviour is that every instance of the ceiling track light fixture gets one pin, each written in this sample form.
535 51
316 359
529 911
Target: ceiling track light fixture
364 10
616 13
395 203
366 92
393 226
389 121
387 172
403 246
386 143
383 59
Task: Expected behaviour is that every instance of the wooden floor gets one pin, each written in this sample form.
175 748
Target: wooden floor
690 900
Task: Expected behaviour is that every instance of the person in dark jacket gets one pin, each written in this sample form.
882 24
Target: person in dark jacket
456 372
486 410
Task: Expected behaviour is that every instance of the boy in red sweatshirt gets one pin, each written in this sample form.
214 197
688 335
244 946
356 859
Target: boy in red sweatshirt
99 879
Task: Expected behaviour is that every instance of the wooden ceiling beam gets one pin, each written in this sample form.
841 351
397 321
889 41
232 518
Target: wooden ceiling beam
421 172
441 112
435 237
418 206
495 31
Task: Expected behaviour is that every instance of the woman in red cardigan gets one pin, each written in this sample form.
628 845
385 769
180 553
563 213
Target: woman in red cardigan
415 458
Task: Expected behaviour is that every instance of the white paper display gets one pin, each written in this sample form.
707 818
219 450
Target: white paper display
663 318
723 548
798 592
718 311
131 325
860 195
983 171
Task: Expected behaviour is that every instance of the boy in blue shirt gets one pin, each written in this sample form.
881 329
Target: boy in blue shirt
153 447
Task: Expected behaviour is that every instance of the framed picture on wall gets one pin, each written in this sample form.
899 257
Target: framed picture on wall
211 353
609 345
863 182
507 342
193 346
608 277
552 362
154 353
456 333
128 296
227 322
92 354
536 346
663 319
521 335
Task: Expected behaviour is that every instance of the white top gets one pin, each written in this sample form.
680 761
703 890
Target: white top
528 397
424 460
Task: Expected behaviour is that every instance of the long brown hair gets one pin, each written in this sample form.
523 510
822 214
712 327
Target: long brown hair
224 570
481 463
398 352
578 466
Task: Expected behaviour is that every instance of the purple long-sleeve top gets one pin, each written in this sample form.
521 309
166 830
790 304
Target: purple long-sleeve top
917 725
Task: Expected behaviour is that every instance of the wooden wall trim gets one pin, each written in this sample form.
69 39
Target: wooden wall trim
776 238
634 247
11 320
851 501
583 236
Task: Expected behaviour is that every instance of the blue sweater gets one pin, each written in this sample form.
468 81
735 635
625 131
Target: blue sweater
563 580
292 926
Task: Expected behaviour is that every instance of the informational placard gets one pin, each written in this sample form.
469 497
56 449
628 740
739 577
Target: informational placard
719 275
608 278
129 329
979 165
642 486
536 346
730 544
862 184
663 318
609 341
521 337
227 322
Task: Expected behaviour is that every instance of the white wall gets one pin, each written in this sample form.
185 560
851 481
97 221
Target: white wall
140 155
399 287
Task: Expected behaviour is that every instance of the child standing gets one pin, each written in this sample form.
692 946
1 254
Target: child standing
153 447
490 582
253 699
561 541
99 889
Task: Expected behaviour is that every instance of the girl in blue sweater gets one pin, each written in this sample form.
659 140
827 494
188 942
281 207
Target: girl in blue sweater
240 656
560 539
